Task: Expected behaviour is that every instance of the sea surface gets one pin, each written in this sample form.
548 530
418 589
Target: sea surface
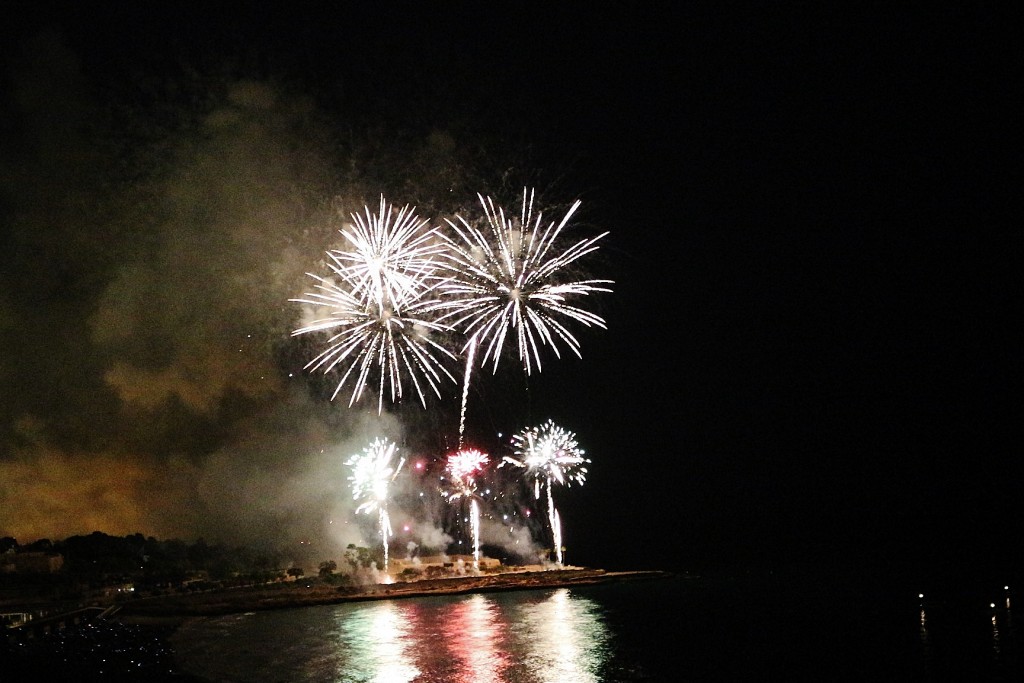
794 625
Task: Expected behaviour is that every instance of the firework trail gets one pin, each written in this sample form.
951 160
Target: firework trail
462 468
372 474
512 278
379 307
549 455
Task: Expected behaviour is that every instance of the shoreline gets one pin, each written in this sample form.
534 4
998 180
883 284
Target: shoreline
135 640
175 608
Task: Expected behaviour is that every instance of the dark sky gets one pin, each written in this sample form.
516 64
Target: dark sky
809 349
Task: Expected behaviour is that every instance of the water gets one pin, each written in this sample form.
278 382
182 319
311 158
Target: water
753 627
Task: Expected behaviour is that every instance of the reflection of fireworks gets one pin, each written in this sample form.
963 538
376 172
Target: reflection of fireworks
549 455
372 474
461 468
475 633
510 278
379 308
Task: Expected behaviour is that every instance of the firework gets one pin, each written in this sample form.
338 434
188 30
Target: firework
462 469
378 308
373 470
389 253
513 278
549 455
462 466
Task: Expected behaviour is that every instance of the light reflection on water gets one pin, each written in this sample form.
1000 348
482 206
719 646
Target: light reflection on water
477 637
723 629
565 638
533 637
377 643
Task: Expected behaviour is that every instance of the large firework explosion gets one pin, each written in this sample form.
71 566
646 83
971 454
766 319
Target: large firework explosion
378 308
390 253
512 277
399 286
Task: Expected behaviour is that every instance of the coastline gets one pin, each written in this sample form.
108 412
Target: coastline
173 609
135 641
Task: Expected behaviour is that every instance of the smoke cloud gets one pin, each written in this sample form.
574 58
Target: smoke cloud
154 230
149 383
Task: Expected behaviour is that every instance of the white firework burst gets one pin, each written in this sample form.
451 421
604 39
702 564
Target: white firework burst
379 308
549 455
512 278
373 470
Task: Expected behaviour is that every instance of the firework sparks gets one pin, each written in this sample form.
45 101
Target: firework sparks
379 308
390 253
513 278
549 455
462 468
373 470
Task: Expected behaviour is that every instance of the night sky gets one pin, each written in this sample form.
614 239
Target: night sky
810 350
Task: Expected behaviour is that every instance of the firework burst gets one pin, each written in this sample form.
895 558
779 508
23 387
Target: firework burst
462 468
549 455
512 278
379 309
389 253
373 470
